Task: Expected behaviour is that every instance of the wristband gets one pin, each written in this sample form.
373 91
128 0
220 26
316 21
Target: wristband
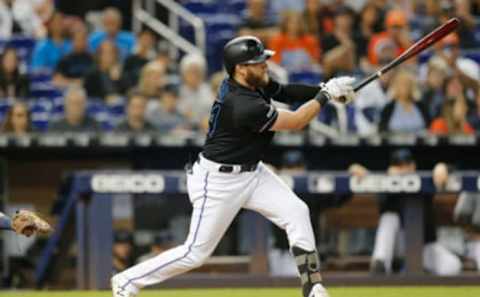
322 96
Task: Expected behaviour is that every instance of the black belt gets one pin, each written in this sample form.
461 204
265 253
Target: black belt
230 168
243 168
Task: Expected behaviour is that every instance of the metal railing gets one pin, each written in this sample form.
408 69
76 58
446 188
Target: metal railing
144 12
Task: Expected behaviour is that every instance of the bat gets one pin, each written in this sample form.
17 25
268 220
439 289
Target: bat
436 35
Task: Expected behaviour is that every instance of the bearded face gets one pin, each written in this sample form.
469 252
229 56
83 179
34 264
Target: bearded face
257 76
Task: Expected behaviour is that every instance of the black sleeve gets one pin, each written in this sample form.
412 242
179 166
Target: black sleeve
290 93
255 115
385 117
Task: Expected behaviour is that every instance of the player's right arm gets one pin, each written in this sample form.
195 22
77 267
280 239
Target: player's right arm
338 89
298 119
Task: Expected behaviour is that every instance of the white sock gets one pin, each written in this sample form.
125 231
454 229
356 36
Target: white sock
387 230
440 261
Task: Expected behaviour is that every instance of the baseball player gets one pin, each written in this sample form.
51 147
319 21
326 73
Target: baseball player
24 222
229 174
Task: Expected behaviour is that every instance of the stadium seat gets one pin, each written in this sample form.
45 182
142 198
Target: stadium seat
40 113
307 77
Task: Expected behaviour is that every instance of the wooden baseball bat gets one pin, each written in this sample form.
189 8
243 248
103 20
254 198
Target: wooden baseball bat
416 48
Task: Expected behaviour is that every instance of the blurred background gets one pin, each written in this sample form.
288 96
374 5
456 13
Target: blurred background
102 103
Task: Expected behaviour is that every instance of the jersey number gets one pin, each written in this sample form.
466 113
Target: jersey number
213 120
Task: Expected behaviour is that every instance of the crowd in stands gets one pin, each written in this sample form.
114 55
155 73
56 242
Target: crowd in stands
58 73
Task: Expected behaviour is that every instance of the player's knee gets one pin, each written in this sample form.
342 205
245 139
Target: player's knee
302 210
196 257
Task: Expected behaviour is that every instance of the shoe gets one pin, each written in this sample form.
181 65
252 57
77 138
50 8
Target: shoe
377 267
118 291
318 291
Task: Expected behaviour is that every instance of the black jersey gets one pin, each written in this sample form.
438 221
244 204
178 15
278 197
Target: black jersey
240 120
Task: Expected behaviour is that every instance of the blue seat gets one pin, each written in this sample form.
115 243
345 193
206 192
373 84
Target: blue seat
198 7
40 113
474 55
307 77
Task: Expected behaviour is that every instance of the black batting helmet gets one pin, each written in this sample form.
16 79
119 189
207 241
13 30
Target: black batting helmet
244 50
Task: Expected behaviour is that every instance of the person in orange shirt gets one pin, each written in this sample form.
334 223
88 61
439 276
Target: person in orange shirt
453 119
396 24
295 49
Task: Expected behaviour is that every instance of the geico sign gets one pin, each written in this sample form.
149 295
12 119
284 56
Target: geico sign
135 183
386 184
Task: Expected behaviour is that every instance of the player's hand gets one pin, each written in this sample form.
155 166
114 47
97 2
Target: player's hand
340 89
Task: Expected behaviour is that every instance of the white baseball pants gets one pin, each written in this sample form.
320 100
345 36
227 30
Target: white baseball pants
217 198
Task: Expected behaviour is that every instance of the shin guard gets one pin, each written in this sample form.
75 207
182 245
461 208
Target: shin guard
309 268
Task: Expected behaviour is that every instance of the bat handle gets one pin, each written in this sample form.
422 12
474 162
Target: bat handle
367 80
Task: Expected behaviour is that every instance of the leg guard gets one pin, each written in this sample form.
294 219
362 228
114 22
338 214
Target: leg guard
309 268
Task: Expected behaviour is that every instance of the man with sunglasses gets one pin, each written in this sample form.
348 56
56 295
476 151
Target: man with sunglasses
229 174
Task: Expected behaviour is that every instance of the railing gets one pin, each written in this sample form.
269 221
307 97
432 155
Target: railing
144 12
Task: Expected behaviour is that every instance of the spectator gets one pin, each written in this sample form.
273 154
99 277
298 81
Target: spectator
433 93
474 113
163 112
396 31
436 258
312 17
368 25
295 49
75 118
453 119
195 95
48 52
12 83
112 23
373 97
18 120
134 63
103 81
18 17
466 30
122 250
215 82
152 80
44 9
162 242
403 114
279 7
467 69
135 121
257 22
338 46
74 67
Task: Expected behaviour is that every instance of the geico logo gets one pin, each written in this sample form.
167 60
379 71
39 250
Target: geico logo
387 184
136 183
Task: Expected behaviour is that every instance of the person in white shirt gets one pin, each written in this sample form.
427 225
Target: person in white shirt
195 94
19 17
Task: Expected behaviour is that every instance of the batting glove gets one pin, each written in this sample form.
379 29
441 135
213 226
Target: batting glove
339 89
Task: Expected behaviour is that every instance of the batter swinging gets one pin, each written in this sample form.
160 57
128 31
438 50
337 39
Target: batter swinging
229 174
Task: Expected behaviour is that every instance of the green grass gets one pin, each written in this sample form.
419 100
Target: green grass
290 292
